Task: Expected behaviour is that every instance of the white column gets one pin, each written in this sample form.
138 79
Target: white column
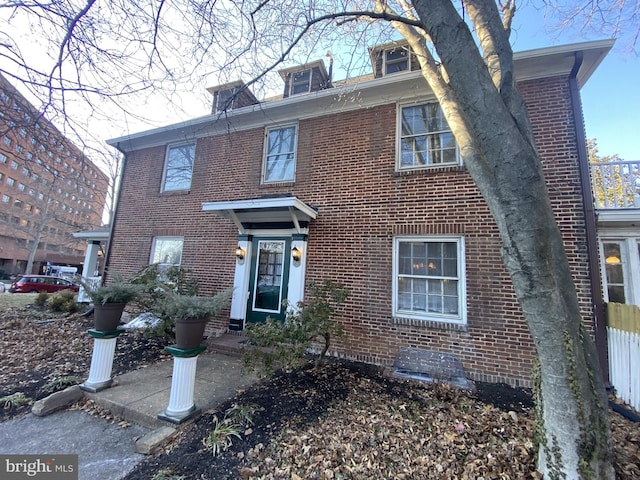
297 272
241 282
182 388
101 364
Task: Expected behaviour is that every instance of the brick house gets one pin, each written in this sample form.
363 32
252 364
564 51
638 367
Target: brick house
358 181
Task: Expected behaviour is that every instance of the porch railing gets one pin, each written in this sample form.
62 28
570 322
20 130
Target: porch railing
623 332
616 184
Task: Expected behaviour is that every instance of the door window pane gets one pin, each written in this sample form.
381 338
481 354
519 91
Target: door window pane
269 277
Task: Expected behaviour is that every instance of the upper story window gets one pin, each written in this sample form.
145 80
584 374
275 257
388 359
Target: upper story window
429 279
14 165
178 167
396 60
300 82
3 158
425 138
280 154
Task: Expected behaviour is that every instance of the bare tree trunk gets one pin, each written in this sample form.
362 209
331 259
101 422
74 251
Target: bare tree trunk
499 153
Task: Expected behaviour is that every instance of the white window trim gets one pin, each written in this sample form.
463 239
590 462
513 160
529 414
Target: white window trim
292 82
166 164
165 238
385 63
399 168
461 318
265 149
628 241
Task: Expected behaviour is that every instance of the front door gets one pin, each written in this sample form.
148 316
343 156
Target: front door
269 278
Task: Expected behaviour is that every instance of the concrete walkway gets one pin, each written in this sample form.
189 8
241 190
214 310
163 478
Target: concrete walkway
105 450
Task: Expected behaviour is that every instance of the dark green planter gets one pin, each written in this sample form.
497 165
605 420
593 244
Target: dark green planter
190 332
107 317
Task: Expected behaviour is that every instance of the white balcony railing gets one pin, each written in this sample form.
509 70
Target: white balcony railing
616 184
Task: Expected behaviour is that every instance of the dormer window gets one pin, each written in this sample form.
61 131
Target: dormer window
300 82
396 60
310 77
231 95
392 58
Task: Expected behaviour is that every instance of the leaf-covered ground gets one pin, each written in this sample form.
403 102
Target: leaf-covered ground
346 421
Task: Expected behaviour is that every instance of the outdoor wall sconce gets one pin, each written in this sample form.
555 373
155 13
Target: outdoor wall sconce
240 253
296 254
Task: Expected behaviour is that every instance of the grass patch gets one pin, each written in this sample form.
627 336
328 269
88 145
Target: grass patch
17 300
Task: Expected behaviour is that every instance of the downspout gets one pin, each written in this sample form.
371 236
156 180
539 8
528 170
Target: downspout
115 206
599 317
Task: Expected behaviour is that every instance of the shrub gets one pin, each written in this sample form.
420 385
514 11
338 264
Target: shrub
41 299
63 301
275 344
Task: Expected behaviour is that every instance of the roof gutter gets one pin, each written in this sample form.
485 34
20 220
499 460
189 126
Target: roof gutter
599 317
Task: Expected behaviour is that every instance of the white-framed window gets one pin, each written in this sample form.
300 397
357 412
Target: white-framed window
300 82
620 257
166 251
10 182
3 158
396 60
424 138
280 154
14 165
429 279
178 167
6 198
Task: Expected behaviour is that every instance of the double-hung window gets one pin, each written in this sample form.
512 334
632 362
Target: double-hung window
280 154
167 252
396 60
429 279
178 167
300 82
425 138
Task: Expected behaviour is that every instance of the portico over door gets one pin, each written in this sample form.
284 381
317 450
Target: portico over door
266 272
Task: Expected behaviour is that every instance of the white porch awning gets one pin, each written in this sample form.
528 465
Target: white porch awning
265 213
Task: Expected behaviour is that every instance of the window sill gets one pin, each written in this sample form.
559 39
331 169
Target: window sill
172 193
284 183
429 170
435 324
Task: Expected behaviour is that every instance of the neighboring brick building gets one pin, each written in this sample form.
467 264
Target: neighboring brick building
361 183
48 189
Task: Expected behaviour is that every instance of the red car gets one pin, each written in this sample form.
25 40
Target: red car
41 283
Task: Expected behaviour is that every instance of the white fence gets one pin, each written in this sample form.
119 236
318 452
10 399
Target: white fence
623 331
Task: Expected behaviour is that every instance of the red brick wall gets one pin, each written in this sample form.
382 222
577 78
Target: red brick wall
346 169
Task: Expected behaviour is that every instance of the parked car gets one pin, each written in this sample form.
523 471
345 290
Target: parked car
41 283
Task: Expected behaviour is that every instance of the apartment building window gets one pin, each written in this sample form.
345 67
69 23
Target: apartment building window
178 167
166 252
7 141
425 138
11 181
14 165
22 132
25 171
3 158
19 148
21 187
429 279
280 154
6 198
